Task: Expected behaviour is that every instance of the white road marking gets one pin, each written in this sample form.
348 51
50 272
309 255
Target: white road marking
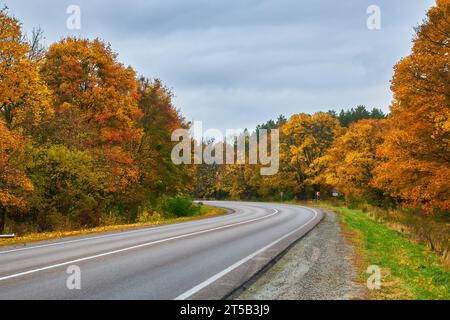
219 275
122 233
134 247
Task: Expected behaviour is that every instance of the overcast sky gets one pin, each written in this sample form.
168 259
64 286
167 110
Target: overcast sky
237 63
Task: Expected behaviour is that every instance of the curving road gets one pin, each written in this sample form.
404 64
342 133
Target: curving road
204 259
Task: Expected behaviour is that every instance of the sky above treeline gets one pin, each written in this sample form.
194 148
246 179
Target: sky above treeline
235 64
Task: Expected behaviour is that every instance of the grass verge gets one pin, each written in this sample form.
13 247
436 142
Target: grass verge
205 212
409 270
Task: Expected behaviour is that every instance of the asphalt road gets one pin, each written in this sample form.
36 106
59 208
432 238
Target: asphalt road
204 259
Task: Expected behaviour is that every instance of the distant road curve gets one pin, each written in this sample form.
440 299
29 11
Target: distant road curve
203 259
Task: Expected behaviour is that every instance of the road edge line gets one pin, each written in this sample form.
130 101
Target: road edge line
224 272
21 274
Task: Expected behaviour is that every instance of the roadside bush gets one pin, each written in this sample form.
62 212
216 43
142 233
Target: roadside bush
180 206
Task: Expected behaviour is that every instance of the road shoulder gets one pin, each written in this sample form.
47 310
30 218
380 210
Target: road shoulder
319 266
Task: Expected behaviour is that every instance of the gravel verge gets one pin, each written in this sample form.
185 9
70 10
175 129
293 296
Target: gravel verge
318 267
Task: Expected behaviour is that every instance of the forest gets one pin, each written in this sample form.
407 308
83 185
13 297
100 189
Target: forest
397 160
86 140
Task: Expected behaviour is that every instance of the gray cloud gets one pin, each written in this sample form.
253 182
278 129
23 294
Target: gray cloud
235 64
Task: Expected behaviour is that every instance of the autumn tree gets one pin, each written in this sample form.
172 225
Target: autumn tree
96 105
24 97
416 152
158 175
208 181
205 182
352 158
243 178
305 139
24 103
14 184
241 181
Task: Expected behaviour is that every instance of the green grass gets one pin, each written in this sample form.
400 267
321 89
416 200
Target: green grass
409 270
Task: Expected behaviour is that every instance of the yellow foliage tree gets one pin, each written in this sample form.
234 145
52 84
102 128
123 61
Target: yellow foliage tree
352 158
24 102
24 98
305 139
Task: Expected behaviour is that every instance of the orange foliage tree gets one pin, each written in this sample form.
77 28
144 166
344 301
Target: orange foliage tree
24 102
14 184
96 105
416 152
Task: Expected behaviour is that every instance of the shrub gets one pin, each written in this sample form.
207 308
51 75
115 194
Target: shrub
112 217
180 206
146 215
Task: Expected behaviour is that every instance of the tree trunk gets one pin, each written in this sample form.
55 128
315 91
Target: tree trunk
2 219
